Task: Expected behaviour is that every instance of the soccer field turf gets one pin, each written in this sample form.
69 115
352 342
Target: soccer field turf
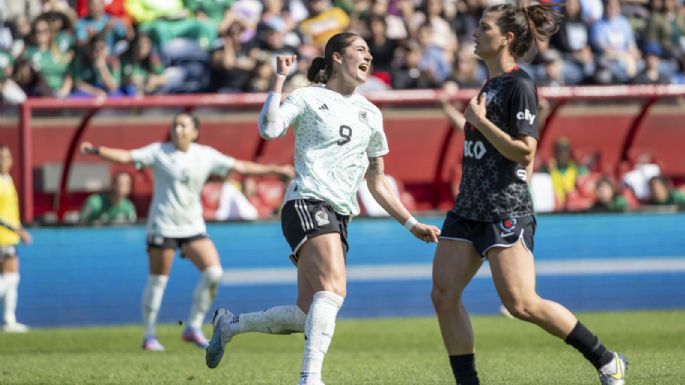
397 351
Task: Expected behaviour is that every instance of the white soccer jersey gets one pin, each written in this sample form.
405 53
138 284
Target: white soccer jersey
334 137
176 210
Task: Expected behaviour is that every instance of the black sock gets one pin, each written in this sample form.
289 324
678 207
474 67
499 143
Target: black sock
588 344
464 369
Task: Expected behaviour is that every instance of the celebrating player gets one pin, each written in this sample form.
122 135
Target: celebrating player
493 213
180 168
339 140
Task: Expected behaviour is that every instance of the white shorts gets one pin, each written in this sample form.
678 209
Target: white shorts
7 251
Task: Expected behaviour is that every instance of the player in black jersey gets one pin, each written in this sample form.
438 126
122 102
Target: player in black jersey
493 213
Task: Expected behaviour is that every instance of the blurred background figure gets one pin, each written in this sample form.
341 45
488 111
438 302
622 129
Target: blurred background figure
11 233
662 193
608 198
564 170
112 207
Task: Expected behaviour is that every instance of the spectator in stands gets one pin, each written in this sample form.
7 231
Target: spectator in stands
96 73
431 14
563 169
97 22
573 41
382 47
277 16
339 140
10 91
661 192
552 69
142 68
11 233
466 20
113 8
608 198
180 167
51 65
233 202
652 72
666 26
166 20
614 41
324 21
113 207
261 77
467 70
493 216
407 73
232 61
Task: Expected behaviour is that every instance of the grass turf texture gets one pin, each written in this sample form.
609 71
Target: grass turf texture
398 351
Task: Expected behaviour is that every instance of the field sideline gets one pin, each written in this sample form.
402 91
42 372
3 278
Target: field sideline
398 351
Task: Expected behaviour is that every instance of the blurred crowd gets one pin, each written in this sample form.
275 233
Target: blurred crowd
110 48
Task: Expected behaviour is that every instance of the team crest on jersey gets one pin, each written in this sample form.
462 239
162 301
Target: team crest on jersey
489 96
507 226
362 117
321 218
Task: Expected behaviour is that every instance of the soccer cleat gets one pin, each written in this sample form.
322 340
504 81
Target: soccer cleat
614 373
195 336
312 382
221 336
152 345
15 327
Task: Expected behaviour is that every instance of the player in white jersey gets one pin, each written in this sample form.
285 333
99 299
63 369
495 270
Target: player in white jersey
180 168
339 140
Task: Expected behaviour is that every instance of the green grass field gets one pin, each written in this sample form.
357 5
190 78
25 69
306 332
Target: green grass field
379 351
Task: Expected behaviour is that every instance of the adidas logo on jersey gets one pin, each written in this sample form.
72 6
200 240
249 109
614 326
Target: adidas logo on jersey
323 107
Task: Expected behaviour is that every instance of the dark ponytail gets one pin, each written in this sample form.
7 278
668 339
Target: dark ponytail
529 25
315 73
322 67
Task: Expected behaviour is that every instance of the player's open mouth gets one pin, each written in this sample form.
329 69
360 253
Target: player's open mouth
364 67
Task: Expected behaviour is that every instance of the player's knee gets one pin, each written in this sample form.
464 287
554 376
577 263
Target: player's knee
521 308
213 274
443 299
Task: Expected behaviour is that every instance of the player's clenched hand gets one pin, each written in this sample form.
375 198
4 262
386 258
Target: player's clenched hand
87 148
426 233
284 64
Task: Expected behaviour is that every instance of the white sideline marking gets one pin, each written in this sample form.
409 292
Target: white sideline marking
408 272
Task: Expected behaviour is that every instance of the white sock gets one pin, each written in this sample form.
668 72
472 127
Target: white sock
205 291
2 286
152 301
276 320
10 284
318 332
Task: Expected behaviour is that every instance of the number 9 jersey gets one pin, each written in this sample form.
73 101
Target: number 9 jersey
335 135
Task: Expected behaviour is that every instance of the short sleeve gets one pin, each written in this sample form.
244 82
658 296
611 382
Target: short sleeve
145 156
378 145
221 163
523 108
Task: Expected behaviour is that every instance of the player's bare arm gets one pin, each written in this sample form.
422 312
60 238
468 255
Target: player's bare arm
383 193
110 154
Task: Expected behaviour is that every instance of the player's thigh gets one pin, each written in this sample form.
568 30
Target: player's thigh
9 264
513 272
202 252
454 265
322 263
160 260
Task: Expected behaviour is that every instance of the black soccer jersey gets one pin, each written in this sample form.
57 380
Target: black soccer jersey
493 187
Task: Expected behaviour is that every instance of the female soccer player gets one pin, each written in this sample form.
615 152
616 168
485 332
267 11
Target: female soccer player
11 233
180 168
339 140
493 213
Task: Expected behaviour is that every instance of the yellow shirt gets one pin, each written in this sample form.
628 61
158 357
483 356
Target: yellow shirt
320 28
9 211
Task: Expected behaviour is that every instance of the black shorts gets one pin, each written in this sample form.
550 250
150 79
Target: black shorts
160 242
303 219
486 235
